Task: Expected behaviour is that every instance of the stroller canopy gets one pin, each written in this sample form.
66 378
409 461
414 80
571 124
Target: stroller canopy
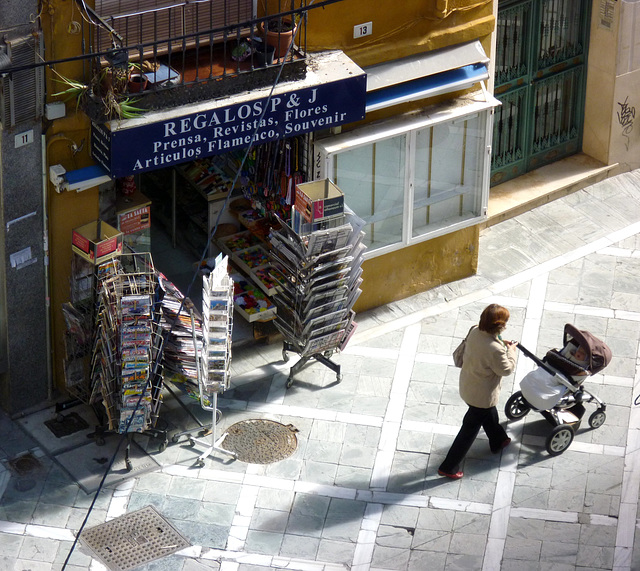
598 353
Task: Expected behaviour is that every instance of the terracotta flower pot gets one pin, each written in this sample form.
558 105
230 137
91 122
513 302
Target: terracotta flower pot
281 38
137 82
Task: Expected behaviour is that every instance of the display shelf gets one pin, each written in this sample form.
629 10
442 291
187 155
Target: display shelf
321 279
236 242
250 302
213 176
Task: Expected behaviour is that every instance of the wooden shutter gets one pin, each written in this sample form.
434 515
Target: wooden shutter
22 92
144 21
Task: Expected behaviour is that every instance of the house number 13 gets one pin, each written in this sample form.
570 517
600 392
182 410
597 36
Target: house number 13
362 30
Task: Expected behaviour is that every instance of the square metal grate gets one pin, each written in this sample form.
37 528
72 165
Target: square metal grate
133 539
66 425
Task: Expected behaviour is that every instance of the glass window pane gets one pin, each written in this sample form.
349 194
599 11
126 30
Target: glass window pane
448 173
373 181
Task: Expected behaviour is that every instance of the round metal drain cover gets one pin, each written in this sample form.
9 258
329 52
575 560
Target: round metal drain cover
261 441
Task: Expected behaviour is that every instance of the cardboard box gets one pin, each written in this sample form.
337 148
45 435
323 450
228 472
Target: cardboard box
319 200
97 242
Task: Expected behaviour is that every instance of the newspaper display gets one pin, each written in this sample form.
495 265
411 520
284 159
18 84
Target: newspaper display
321 269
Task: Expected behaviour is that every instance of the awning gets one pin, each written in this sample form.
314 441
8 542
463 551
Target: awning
79 179
426 75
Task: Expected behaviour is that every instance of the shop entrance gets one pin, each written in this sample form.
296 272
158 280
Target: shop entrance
190 201
540 78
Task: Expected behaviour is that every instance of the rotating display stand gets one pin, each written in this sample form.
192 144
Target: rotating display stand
321 268
213 363
126 379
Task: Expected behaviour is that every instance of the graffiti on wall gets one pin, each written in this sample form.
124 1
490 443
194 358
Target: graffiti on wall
626 115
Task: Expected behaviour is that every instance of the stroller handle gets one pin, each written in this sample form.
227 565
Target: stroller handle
534 358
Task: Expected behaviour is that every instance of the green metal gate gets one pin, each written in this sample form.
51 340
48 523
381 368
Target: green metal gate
540 73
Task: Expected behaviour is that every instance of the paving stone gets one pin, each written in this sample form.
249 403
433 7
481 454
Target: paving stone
596 557
223 492
353 477
302 524
522 549
387 557
431 540
400 516
187 488
598 535
559 552
264 542
336 551
457 562
357 455
281 500
269 520
319 472
216 512
421 560
300 547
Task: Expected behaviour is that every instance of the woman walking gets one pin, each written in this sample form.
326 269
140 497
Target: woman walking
486 359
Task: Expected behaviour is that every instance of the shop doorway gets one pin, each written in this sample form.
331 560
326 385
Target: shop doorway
190 201
540 79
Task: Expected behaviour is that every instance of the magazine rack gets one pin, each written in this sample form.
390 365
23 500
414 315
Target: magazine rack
126 377
321 269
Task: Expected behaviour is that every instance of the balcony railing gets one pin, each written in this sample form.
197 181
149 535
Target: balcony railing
186 52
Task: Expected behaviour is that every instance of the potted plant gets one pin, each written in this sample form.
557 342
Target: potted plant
137 81
279 33
263 53
106 88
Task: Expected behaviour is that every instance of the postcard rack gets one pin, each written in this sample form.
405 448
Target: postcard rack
214 360
321 269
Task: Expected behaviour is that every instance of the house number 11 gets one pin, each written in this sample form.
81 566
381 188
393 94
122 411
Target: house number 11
22 139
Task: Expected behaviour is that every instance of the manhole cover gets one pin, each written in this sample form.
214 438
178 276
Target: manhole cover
261 441
133 539
25 464
66 425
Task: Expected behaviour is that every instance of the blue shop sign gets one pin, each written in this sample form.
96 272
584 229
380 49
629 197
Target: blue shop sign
134 149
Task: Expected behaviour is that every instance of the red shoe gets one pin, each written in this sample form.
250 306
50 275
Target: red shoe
455 476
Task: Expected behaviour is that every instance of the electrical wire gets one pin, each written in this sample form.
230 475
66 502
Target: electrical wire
185 297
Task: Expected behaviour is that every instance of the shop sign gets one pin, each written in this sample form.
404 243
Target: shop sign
184 138
135 220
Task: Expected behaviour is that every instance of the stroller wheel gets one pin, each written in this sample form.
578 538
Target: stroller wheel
559 440
516 407
596 420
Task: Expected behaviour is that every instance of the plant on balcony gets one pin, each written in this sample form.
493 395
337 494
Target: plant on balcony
108 87
279 33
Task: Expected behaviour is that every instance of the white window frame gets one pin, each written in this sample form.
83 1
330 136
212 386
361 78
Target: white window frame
456 109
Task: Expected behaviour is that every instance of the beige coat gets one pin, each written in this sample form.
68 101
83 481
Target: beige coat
486 359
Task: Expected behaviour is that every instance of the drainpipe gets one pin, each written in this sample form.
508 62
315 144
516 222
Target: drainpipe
45 239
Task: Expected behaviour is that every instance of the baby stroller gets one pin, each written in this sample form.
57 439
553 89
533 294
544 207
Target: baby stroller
555 388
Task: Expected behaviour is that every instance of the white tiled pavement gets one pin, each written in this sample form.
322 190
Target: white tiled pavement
361 491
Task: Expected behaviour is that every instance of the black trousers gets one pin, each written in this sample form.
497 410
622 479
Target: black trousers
487 418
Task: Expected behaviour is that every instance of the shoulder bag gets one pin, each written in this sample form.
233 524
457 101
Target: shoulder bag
458 352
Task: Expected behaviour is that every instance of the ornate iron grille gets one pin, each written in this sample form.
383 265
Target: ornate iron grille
540 81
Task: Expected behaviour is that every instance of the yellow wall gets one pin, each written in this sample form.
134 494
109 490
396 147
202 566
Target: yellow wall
67 210
399 28
418 268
